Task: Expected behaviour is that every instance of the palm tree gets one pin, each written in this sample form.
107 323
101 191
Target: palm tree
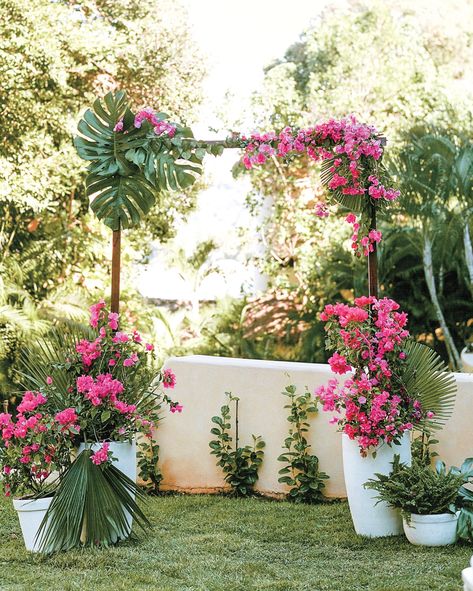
463 177
426 171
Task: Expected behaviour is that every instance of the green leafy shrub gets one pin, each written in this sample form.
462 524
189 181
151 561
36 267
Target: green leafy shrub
464 500
301 472
418 489
149 471
240 464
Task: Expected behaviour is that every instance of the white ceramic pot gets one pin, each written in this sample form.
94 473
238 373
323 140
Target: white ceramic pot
125 454
370 518
467 577
467 361
31 513
431 530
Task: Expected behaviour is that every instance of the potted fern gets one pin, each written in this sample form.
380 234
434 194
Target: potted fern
428 499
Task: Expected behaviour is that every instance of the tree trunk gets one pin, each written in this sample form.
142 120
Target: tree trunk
115 293
468 252
453 355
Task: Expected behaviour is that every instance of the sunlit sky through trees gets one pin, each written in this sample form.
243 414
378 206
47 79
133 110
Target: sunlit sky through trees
238 39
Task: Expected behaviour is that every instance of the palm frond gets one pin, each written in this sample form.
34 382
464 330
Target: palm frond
39 359
427 378
92 506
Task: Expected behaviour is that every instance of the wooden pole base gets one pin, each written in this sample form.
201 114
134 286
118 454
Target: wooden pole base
115 294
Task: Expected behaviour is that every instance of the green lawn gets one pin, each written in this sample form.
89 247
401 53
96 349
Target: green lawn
207 543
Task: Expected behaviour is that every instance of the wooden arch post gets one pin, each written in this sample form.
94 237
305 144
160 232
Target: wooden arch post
373 281
116 255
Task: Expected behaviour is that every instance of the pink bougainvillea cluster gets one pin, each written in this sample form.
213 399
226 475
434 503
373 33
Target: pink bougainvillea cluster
34 443
367 243
160 126
111 372
353 149
368 338
113 390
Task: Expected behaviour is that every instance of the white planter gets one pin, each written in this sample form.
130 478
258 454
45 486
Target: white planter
431 530
467 361
467 577
125 454
31 513
370 518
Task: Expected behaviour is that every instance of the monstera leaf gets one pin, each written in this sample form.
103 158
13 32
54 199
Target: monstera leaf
121 201
129 168
427 378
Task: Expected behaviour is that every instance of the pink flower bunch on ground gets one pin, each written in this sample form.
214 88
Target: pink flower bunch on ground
371 406
353 149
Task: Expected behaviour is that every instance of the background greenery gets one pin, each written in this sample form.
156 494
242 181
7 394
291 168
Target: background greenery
407 68
55 57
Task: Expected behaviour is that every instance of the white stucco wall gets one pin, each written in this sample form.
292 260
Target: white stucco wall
201 385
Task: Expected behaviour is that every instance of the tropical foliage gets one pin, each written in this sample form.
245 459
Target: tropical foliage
52 252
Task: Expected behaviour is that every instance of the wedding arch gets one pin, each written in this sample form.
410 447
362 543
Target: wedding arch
133 157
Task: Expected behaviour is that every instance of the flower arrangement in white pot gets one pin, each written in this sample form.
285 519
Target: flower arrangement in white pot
428 499
34 444
105 387
394 384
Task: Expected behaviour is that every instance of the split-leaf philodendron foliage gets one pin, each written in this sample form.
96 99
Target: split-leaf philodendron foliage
129 168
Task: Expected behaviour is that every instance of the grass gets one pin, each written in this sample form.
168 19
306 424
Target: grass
208 543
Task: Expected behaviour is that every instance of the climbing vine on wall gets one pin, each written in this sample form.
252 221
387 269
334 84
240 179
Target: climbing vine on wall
301 471
239 464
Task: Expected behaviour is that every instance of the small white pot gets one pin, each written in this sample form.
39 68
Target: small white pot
467 361
31 513
431 530
467 577
372 518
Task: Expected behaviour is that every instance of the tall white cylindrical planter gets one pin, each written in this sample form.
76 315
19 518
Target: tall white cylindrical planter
31 513
125 454
369 518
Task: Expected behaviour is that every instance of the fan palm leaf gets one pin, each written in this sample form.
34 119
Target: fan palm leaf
427 379
38 361
92 505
